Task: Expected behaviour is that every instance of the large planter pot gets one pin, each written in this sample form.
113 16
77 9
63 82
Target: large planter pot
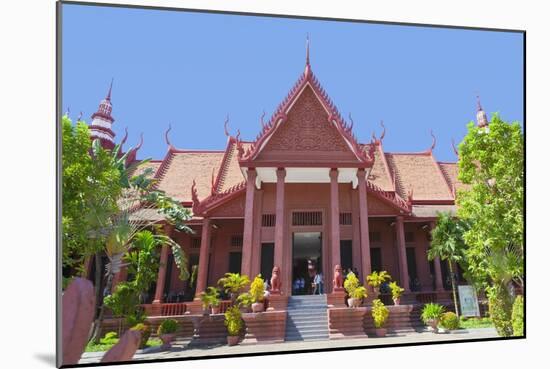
215 309
232 340
166 339
397 301
352 302
432 324
257 307
380 332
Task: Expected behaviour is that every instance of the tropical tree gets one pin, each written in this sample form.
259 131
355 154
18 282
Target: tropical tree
491 162
448 244
87 182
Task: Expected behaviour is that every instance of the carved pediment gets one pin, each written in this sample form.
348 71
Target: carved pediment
377 206
307 134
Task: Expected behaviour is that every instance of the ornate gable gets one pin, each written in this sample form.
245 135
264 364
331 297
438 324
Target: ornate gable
307 134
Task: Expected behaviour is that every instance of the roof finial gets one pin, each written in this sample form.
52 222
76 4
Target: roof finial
454 147
166 138
433 141
383 130
481 116
124 138
225 126
110 89
351 122
307 55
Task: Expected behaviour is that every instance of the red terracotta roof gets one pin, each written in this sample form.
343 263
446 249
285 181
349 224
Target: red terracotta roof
450 171
380 173
180 168
420 173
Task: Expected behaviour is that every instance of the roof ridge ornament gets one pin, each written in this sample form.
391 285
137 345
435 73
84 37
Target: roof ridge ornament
225 125
167 139
454 147
429 151
124 138
308 66
383 134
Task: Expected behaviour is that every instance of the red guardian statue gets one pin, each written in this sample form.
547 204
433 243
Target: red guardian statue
276 280
338 280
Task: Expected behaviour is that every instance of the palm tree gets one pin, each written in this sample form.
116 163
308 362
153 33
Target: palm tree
448 244
123 227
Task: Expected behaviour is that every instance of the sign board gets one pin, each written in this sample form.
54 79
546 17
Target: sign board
469 305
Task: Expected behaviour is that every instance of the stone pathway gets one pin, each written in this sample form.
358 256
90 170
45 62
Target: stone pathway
179 348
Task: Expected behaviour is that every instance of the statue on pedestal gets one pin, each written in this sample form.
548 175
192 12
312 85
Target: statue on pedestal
338 280
276 280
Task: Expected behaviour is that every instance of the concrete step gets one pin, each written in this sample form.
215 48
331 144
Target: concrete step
307 312
316 337
306 331
306 323
308 307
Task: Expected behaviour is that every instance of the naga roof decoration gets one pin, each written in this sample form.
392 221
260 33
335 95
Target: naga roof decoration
132 153
280 116
215 199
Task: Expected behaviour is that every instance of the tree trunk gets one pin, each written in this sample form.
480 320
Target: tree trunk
453 284
97 285
97 326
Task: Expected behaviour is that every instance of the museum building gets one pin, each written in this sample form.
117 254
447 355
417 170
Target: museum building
304 191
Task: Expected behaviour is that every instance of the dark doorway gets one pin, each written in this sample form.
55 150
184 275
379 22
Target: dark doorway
306 261
346 259
235 259
414 284
266 261
375 259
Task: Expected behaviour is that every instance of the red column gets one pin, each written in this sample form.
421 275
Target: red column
159 291
334 218
203 257
356 240
248 222
121 276
437 268
402 253
279 219
256 241
364 223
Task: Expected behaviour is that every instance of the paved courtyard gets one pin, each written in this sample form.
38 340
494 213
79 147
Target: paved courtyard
180 350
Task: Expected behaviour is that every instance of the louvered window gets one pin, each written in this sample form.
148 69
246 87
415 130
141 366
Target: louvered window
307 218
268 220
345 218
237 241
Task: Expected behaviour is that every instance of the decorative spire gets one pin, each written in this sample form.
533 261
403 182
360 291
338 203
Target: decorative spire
308 67
481 116
102 121
110 89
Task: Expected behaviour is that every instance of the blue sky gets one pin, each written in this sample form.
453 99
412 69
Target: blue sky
192 69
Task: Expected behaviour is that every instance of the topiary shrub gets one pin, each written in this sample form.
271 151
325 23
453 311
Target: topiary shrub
449 321
167 326
145 330
517 316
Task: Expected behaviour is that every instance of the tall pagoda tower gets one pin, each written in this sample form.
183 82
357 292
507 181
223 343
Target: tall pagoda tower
102 122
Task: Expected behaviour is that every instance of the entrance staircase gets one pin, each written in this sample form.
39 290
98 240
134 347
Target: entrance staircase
307 318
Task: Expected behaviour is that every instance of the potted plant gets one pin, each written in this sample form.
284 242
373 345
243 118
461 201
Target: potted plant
380 315
167 331
375 280
449 321
234 324
396 292
233 284
355 292
244 302
211 299
431 314
257 291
